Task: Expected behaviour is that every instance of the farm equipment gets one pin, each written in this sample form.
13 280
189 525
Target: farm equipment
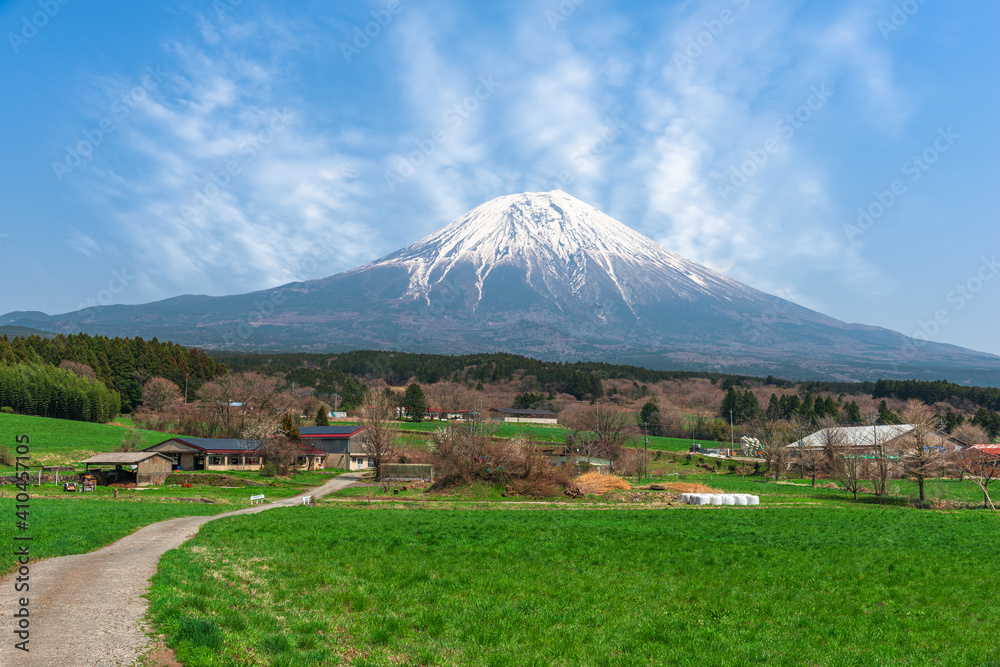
69 486
88 483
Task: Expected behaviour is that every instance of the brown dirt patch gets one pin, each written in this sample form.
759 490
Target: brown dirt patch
596 484
160 655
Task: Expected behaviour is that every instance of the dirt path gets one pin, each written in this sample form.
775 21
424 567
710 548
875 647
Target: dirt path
88 609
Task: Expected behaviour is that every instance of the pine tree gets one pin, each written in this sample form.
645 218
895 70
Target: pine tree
321 417
415 402
288 427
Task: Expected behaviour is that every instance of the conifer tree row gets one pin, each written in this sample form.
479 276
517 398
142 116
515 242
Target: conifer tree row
46 391
122 364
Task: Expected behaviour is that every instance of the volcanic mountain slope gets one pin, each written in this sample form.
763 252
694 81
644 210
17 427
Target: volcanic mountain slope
547 275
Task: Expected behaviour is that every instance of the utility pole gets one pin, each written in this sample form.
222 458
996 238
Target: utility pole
731 443
186 388
645 450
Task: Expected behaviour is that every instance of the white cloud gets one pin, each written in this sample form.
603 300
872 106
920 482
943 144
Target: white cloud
82 243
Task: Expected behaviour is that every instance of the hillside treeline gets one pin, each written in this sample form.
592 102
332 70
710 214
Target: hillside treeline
581 379
939 391
46 391
122 364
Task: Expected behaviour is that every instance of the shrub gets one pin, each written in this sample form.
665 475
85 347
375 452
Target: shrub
7 410
268 470
6 456
535 485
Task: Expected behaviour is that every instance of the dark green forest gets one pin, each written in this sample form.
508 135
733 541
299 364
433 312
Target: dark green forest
122 365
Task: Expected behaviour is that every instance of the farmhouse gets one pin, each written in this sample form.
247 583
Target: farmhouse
224 454
340 444
510 415
863 438
140 468
990 450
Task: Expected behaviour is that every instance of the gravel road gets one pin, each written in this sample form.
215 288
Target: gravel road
87 610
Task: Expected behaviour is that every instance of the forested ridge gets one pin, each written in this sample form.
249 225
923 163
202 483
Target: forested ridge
121 365
32 380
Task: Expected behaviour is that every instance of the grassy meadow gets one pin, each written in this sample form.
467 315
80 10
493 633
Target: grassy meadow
70 523
847 585
66 527
65 442
418 433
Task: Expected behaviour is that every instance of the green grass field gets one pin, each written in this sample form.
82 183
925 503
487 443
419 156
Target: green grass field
69 523
74 526
542 433
859 585
62 441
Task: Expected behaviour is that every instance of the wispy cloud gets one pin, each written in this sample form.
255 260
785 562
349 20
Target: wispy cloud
228 184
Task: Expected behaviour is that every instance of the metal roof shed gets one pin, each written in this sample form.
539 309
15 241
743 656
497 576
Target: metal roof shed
150 467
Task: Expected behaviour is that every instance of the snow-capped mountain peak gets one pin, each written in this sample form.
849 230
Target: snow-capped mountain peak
561 245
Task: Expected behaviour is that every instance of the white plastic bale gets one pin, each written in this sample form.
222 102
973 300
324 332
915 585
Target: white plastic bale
728 499
741 499
701 499
685 497
716 499
753 500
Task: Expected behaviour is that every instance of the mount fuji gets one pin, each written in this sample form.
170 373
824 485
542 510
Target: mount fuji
545 275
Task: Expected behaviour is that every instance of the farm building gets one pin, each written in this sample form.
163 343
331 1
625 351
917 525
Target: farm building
863 438
340 444
561 455
990 450
225 454
515 416
140 468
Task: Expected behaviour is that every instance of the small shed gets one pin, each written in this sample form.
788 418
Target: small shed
143 468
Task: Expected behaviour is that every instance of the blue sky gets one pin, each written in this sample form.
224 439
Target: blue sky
154 149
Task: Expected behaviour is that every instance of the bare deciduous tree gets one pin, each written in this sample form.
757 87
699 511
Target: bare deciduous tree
235 401
83 370
774 437
131 440
970 434
158 394
982 468
880 459
923 457
272 445
841 461
809 461
381 435
607 431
